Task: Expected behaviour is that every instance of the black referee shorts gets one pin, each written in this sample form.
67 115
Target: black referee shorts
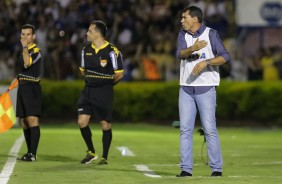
97 102
29 100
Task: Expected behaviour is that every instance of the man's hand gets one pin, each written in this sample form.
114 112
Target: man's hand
199 67
199 44
117 77
186 53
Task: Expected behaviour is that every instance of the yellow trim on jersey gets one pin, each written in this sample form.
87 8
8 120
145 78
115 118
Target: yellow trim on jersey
103 46
98 76
115 50
81 69
36 50
31 46
30 60
118 71
29 79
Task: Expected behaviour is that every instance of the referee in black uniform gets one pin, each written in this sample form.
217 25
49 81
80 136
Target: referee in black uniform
29 91
101 66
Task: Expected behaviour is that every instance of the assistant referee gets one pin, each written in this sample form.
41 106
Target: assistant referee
29 92
102 68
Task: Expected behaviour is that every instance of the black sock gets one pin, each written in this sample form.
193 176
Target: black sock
87 136
106 139
35 136
27 137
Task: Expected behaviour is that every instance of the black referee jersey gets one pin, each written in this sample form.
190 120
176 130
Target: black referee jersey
100 65
32 73
29 92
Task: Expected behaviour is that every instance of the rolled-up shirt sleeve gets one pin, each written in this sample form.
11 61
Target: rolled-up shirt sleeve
218 48
181 43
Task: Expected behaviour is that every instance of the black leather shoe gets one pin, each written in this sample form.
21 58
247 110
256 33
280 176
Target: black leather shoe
216 173
183 174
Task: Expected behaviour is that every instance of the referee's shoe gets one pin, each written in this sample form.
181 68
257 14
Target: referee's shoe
89 157
29 157
103 161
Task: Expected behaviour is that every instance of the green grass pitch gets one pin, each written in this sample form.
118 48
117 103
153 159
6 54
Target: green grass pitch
250 156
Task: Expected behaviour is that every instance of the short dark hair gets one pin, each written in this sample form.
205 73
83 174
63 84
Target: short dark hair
194 11
29 26
100 26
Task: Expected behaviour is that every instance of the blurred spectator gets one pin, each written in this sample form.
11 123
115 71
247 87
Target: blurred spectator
238 68
41 35
4 35
131 69
270 71
6 66
278 60
254 69
199 3
151 69
54 46
215 14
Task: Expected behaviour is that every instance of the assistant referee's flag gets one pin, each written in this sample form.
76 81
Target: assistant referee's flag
7 113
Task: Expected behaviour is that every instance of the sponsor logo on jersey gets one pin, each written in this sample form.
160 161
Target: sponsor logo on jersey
89 54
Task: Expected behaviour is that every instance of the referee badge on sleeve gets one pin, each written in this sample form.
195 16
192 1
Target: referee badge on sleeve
103 62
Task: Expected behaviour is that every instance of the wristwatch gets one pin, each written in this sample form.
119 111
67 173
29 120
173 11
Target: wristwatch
208 61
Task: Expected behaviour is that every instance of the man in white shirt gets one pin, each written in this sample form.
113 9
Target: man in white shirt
201 52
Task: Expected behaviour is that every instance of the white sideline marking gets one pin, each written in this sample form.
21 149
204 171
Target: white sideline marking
125 151
268 163
11 162
270 177
147 172
164 165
